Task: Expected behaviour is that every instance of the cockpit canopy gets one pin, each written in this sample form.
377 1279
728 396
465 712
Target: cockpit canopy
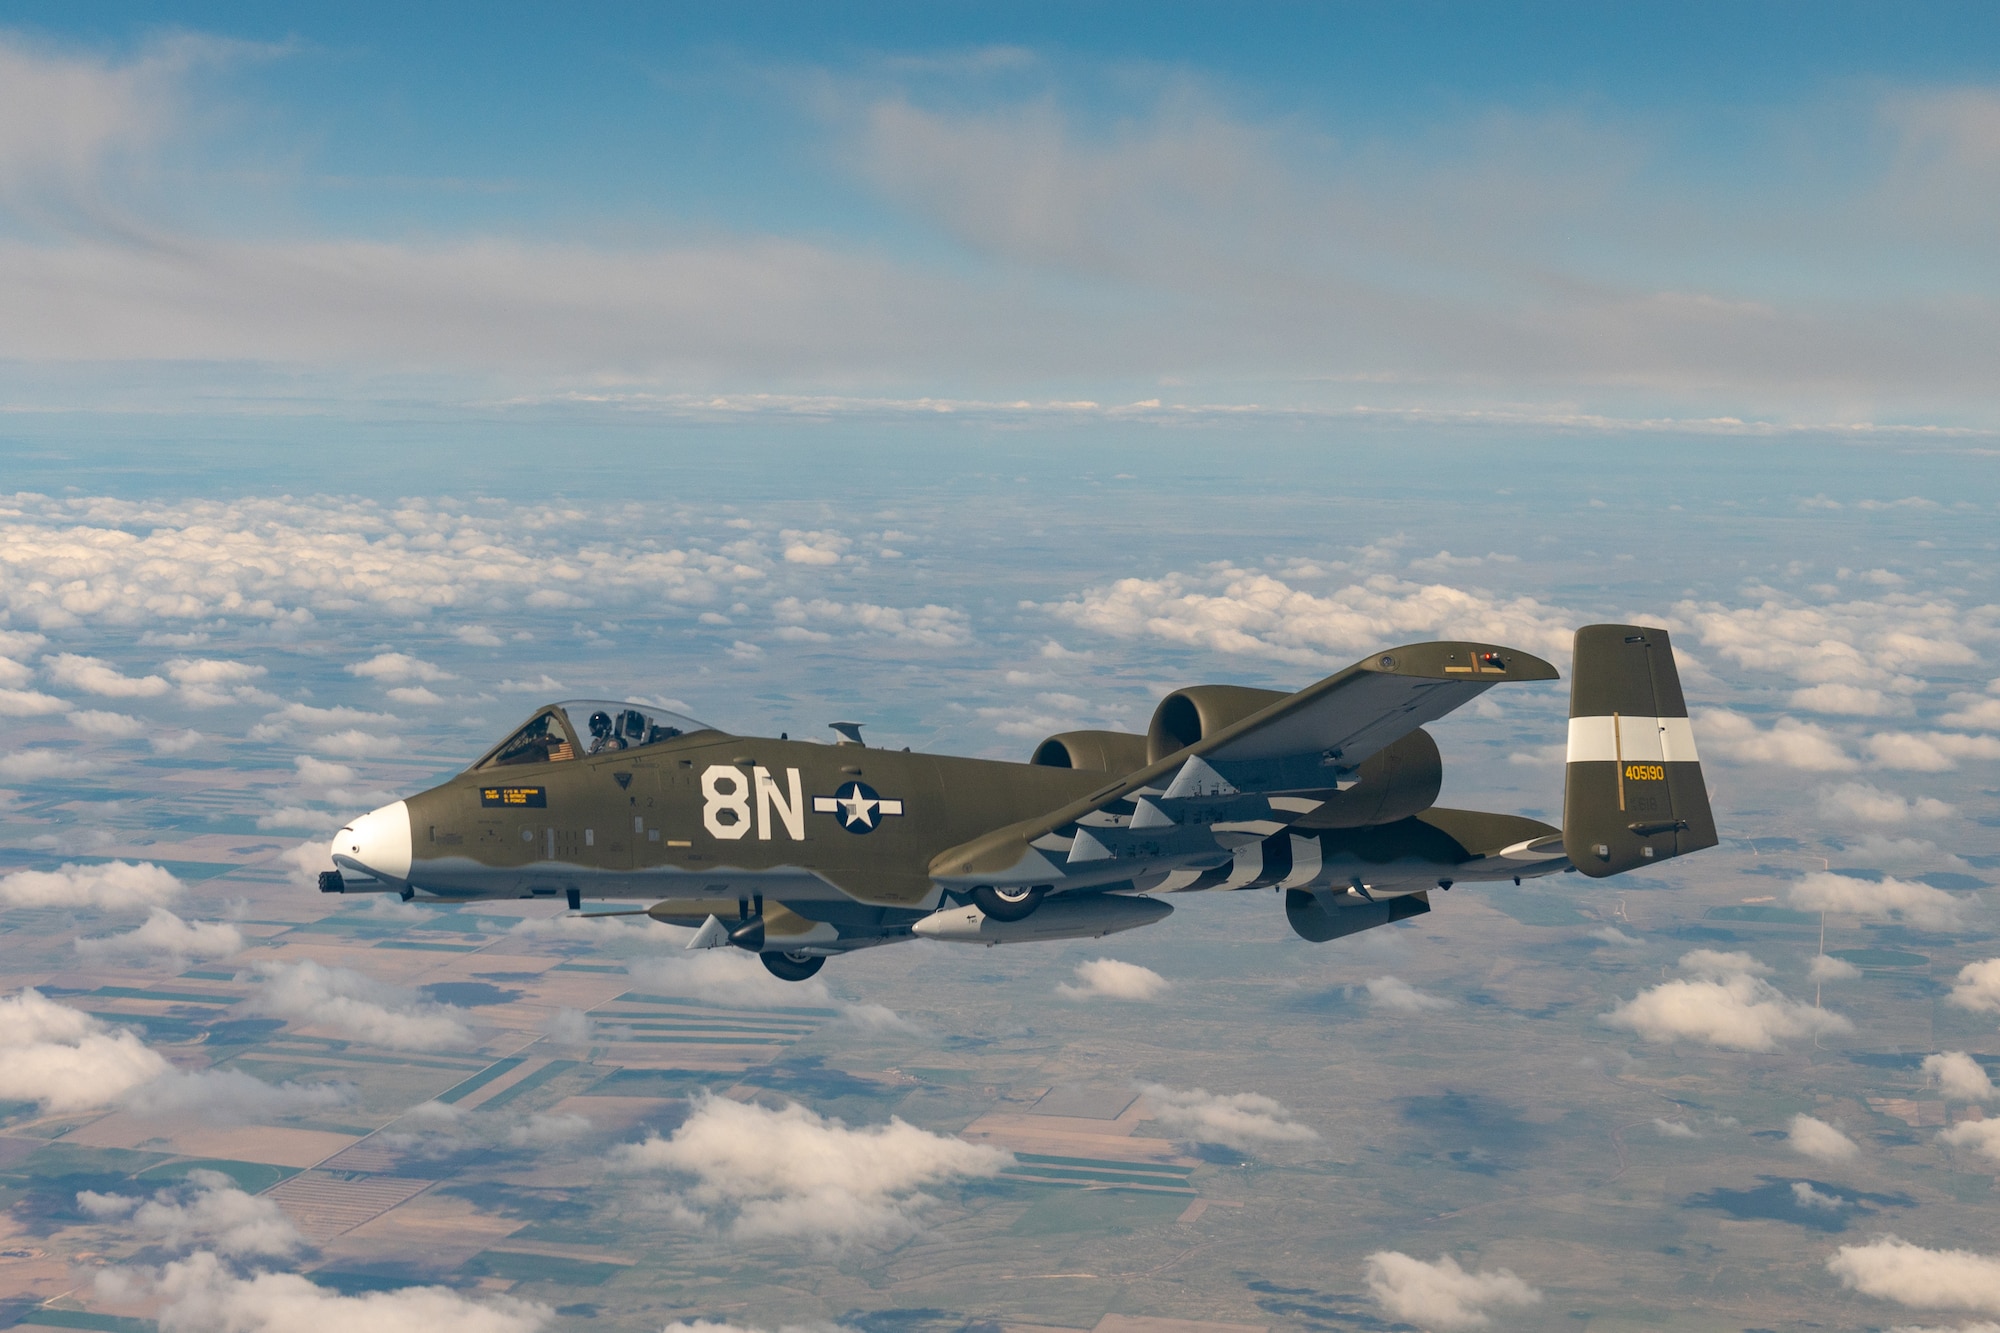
575 727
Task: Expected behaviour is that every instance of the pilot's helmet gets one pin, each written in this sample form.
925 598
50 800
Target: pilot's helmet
600 724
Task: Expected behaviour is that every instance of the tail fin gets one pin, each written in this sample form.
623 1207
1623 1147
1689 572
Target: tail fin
1633 790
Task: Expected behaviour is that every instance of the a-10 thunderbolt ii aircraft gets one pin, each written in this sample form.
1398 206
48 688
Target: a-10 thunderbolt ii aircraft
799 851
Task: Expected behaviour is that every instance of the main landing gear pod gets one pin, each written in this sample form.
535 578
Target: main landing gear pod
797 966
1008 902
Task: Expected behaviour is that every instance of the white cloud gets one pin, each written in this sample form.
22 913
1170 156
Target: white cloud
1443 1295
1716 965
544 686
1975 713
929 626
358 1007
419 695
110 726
1850 701
230 1096
93 675
1240 1120
1249 612
792 1173
478 636
1862 643
1893 1269
724 976
813 548
67 1060
32 765
286 562
1977 987
1861 802
1674 1129
1960 1078
201 1294
1825 967
1931 752
1981 1136
1108 978
14 675
113 886
1400 997
177 742
1617 938
1725 1006
1884 899
299 722
29 703
1819 1140
397 668
1806 1196
205 1210
166 934
189 671
1788 743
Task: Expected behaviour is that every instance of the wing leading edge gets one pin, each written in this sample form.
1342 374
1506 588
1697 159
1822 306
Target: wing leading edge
1245 781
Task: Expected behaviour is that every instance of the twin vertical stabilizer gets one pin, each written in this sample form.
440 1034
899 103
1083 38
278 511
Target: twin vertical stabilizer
1633 791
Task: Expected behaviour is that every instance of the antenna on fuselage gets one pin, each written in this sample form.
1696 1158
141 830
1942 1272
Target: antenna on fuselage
850 733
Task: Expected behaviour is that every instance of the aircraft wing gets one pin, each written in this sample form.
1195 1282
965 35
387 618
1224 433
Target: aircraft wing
1245 781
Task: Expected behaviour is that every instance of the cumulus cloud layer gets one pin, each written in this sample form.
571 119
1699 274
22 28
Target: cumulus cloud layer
1818 1139
1787 743
1443 1295
359 1007
1400 997
1724 1003
791 1172
1960 1078
201 1294
1248 612
1893 1269
1981 1136
1242 1120
1107 978
165 934
67 1060
205 1209
113 886
1879 900
1978 987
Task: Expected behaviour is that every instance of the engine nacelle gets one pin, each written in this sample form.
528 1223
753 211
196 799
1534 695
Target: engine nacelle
1397 781
1093 751
1185 716
1312 920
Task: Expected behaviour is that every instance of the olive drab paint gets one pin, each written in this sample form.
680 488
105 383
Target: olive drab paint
802 851
1633 792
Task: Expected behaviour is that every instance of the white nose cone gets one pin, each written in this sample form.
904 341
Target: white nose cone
377 843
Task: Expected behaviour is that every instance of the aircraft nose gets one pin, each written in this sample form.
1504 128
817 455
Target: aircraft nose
378 843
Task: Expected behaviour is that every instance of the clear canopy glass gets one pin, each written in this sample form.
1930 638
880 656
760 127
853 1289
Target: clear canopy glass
577 727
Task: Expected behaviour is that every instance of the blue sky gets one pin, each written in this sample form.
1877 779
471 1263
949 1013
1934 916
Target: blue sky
1552 212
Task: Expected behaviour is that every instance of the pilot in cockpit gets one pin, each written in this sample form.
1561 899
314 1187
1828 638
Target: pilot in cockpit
603 737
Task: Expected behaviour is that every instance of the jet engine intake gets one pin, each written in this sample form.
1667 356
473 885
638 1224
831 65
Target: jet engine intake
1185 716
1093 751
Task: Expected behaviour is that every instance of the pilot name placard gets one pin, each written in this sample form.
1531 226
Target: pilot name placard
528 798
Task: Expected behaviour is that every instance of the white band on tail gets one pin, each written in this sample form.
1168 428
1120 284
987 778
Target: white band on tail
1644 740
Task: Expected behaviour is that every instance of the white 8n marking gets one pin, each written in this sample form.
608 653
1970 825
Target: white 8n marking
723 787
716 798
